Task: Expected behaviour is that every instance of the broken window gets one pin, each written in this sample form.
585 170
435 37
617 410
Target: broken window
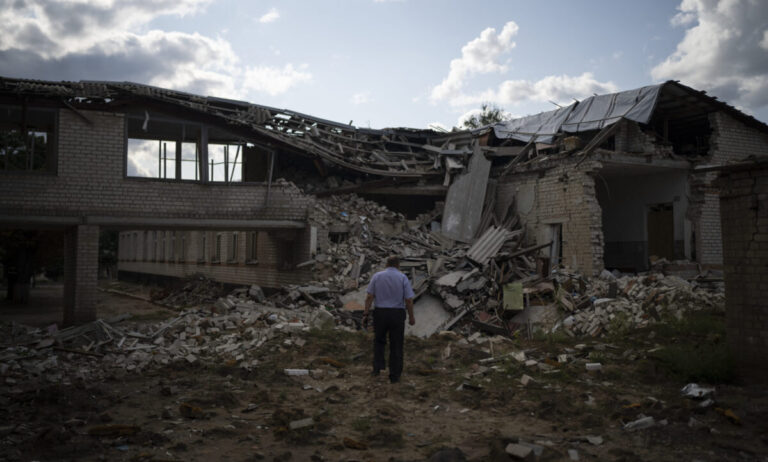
172 246
151 158
183 247
225 162
27 139
162 148
252 247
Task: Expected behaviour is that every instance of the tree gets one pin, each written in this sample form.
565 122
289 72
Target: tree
489 114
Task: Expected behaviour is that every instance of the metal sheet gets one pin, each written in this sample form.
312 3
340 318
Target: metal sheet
593 113
597 112
543 126
488 245
465 198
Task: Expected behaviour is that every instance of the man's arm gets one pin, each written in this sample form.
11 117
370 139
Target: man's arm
368 303
409 307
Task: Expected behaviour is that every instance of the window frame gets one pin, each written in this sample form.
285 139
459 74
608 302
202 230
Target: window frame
52 148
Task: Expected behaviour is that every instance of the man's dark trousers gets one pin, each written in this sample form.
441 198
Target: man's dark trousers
392 321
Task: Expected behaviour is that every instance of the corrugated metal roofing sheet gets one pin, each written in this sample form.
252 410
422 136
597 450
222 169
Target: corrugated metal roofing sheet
488 245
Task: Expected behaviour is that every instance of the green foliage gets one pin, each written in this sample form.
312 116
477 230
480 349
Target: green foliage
489 114
696 350
710 363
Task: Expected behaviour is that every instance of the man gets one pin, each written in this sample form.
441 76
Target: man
393 294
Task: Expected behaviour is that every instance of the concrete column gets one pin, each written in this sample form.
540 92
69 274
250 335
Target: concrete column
81 267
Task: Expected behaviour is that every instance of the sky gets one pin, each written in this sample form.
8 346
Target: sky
396 63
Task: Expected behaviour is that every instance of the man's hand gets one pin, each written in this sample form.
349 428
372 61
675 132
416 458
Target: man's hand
411 320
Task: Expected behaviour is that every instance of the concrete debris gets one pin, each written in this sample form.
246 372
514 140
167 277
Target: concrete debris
511 290
693 390
518 451
640 423
195 337
640 301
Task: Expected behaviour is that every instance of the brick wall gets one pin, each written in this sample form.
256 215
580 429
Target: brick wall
730 141
744 214
630 138
90 181
561 194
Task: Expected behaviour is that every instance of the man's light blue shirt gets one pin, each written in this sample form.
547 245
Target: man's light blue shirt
390 288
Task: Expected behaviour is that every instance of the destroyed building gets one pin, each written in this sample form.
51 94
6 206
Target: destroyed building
228 189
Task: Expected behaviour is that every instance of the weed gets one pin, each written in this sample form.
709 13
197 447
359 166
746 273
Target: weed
709 363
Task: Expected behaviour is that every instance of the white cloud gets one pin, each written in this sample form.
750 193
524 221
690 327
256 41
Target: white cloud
274 81
725 50
361 98
484 54
557 88
271 16
109 40
478 56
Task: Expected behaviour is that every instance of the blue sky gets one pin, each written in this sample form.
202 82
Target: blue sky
396 63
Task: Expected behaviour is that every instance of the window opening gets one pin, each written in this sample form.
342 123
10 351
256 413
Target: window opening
27 139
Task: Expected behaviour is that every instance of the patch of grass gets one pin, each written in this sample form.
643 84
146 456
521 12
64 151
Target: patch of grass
552 338
709 363
697 324
693 348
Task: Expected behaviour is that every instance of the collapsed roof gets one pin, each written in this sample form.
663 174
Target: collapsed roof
389 152
600 111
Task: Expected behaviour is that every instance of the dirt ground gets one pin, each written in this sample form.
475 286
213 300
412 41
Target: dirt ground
449 400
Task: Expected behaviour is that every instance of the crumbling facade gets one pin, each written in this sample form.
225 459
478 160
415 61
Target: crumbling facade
617 192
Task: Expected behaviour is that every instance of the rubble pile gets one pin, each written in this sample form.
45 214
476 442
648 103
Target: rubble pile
494 278
197 290
639 301
466 277
228 335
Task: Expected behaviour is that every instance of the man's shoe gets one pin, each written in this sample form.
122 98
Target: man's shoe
394 380
374 373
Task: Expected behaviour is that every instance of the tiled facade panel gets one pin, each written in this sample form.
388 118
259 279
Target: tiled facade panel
744 213
277 253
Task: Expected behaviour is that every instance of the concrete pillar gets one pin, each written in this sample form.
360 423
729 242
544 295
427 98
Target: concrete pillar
81 268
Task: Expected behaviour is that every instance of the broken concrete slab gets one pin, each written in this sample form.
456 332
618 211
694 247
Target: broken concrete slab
451 279
430 316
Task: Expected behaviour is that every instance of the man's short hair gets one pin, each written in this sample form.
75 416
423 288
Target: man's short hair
393 261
